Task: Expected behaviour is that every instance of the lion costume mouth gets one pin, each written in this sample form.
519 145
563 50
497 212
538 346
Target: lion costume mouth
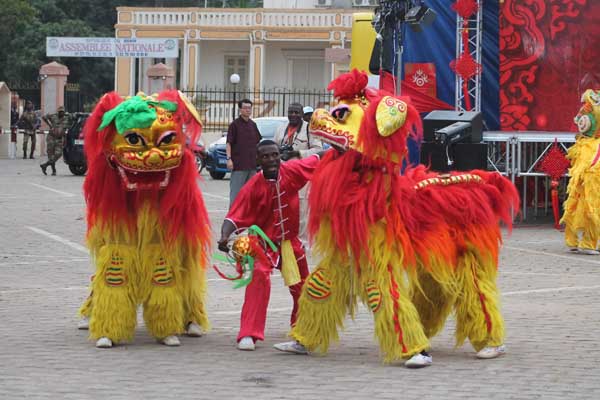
330 131
134 179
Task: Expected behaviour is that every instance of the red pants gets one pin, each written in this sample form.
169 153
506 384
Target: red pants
258 292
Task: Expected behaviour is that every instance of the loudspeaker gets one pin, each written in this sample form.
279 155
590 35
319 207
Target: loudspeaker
466 156
441 118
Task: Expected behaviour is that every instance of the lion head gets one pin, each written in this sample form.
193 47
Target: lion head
144 138
369 121
588 117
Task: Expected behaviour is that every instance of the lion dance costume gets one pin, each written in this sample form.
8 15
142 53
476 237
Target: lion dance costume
148 230
581 217
375 228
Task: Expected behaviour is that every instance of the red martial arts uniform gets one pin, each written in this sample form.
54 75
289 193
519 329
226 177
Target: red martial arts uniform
274 206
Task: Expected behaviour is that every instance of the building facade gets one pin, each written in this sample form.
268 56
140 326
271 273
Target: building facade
282 45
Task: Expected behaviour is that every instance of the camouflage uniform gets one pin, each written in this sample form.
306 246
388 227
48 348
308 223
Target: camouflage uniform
55 140
28 122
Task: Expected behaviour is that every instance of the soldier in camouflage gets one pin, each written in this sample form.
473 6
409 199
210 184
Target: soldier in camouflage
58 123
28 122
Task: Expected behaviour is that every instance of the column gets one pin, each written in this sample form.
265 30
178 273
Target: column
53 77
257 64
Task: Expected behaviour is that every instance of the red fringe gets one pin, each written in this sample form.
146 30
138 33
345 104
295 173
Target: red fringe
181 207
354 193
349 84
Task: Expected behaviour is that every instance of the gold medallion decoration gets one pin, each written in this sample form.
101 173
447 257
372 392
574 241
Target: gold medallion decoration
445 180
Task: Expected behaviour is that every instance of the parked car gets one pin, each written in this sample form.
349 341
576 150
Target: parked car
216 159
73 151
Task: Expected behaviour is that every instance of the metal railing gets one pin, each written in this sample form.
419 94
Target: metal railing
518 155
218 106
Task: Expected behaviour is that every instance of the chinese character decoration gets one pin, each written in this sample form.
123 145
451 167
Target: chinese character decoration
465 65
554 164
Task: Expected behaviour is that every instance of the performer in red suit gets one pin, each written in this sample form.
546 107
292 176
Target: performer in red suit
270 201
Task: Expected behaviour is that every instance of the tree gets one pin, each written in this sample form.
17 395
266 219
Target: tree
24 26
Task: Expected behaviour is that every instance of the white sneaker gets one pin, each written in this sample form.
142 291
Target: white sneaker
193 330
590 252
491 352
246 343
291 347
104 343
170 341
419 361
84 324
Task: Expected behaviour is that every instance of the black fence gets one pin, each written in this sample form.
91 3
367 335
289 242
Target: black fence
30 90
218 106
73 98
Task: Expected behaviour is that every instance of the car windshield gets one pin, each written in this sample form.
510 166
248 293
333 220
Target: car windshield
267 127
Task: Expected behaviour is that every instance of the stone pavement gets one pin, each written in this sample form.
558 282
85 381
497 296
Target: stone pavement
550 302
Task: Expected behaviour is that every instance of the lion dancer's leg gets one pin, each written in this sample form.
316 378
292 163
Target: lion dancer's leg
323 305
478 315
194 281
581 234
397 323
163 289
113 315
433 300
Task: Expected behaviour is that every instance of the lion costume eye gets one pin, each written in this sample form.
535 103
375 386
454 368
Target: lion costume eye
340 112
166 138
135 139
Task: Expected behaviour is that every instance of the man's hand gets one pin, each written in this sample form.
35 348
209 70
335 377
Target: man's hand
289 154
223 245
230 164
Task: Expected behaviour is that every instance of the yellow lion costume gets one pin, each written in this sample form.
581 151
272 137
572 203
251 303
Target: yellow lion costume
581 216
148 230
374 228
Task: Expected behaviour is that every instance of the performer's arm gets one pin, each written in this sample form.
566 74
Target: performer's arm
301 170
247 210
226 230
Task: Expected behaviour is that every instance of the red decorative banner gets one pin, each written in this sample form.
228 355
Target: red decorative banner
422 77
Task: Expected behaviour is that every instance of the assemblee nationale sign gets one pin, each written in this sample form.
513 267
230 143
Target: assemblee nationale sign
111 47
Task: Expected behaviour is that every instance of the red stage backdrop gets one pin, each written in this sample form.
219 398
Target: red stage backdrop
549 54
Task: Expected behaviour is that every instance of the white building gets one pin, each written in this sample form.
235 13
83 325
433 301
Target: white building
280 45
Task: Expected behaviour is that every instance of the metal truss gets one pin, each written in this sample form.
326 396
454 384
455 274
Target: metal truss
475 30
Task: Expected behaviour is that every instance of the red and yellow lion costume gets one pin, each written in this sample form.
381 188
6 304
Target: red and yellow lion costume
581 218
374 228
148 230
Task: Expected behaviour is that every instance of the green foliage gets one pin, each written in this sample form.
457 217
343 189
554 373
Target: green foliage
25 24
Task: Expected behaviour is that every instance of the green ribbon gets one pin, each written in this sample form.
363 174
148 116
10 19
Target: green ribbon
247 260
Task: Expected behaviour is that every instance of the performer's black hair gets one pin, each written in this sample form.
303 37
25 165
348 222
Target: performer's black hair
265 142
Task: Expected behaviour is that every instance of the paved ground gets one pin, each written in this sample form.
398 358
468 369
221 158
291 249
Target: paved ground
550 303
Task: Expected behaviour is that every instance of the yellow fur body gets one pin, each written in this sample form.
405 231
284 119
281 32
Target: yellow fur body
139 267
582 207
426 297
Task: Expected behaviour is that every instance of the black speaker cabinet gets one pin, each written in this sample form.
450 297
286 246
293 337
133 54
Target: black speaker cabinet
441 118
466 156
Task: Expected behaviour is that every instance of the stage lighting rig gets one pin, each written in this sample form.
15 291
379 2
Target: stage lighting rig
391 13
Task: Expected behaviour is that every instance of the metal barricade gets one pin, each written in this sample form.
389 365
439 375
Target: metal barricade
519 154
